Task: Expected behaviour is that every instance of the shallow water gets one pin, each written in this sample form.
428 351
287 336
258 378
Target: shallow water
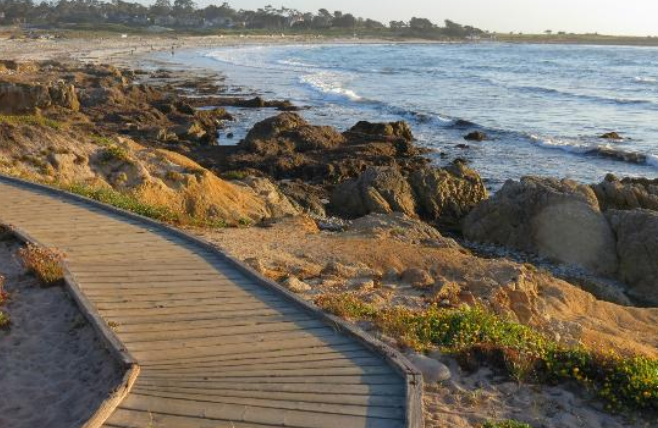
544 106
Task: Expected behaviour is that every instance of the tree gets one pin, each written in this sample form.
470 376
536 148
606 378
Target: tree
372 24
421 24
345 21
184 7
323 19
452 29
161 8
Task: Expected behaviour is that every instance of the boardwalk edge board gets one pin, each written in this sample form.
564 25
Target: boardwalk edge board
414 381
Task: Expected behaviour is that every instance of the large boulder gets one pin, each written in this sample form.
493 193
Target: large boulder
378 190
277 203
637 247
289 132
29 98
64 95
23 98
387 130
447 195
560 220
627 194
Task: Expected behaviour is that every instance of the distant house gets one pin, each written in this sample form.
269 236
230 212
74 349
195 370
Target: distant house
295 19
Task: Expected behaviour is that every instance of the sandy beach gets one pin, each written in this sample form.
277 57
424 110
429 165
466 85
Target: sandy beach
118 50
55 370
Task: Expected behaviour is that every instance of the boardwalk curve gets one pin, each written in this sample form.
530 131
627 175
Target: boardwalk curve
208 342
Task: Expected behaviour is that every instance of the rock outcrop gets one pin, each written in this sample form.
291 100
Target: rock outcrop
560 220
441 196
637 247
378 190
611 136
627 194
288 133
475 136
30 98
277 203
288 147
386 130
445 196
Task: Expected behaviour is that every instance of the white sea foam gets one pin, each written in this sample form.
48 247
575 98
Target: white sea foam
645 80
296 63
331 85
563 144
652 160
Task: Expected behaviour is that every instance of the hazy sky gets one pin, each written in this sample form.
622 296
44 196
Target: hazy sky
634 17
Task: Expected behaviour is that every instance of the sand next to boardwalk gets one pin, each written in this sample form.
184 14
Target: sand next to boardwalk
54 371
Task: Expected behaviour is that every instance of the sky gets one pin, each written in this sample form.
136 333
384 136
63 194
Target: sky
619 17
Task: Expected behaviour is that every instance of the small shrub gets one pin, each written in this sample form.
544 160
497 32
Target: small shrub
115 153
346 305
457 328
4 320
102 140
506 424
235 175
46 264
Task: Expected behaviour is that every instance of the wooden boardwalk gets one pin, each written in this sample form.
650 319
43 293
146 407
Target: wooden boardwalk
217 345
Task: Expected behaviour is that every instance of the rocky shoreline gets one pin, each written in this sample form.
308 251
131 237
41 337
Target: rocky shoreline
363 211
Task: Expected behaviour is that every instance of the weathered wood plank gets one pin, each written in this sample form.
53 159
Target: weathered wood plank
217 347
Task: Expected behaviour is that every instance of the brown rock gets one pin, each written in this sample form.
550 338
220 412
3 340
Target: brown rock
418 278
277 203
23 98
446 196
388 130
611 136
627 194
637 246
557 219
476 136
377 190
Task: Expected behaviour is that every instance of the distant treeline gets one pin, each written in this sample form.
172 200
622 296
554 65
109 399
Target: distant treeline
184 14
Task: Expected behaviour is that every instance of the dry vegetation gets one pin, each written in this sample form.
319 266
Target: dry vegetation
44 263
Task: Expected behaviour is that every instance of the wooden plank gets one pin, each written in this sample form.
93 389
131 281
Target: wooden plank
253 414
218 346
369 410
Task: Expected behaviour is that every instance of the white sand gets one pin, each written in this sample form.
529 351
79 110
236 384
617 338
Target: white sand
117 50
54 371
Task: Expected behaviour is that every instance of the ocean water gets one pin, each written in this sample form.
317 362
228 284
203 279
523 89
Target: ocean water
543 106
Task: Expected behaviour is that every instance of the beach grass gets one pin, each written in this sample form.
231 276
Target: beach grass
123 201
476 336
31 120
